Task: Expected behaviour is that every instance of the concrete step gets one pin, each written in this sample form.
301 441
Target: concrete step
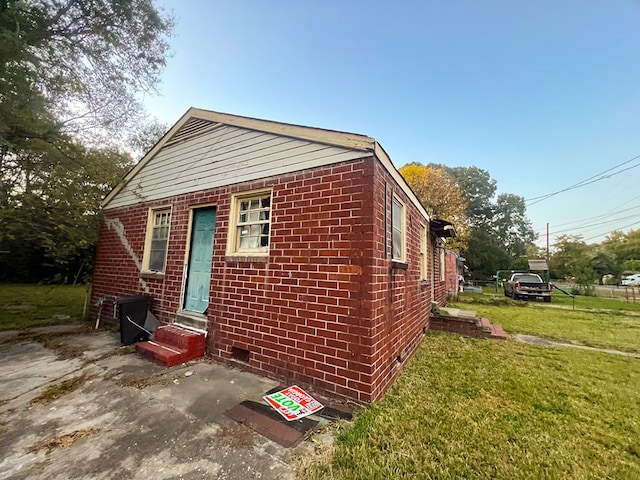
160 354
173 345
484 324
180 338
192 319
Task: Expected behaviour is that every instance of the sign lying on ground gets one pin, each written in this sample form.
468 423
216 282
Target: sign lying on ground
293 403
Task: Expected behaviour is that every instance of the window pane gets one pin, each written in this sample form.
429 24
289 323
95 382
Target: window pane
253 223
397 245
246 240
396 215
397 233
159 234
156 260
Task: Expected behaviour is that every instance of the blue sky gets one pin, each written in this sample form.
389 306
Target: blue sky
541 94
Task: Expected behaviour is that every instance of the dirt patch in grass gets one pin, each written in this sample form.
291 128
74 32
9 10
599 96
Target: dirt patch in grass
58 390
61 441
65 352
52 341
128 350
313 461
138 381
236 435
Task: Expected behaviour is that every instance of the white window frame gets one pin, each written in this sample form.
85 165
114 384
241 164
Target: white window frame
234 235
424 253
402 230
443 259
156 213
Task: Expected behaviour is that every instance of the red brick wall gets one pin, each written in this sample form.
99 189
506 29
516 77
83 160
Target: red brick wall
440 286
401 302
327 309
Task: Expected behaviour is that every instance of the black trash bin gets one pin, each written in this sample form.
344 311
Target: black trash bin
133 312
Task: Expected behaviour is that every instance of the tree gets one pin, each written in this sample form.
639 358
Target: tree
479 189
573 259
440 196
85 60
50 221
511 225
70 73
486 254
500 232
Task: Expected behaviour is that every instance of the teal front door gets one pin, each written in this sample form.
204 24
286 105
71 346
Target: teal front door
200 258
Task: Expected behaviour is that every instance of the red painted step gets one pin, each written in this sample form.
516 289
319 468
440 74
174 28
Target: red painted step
484 324
497 332
173 345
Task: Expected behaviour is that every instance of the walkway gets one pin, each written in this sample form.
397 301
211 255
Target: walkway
533 340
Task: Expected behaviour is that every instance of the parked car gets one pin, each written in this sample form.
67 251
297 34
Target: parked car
527 285
631 280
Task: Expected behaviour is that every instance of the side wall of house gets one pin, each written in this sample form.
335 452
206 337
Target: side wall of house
401 300
439 273
451 272
302 314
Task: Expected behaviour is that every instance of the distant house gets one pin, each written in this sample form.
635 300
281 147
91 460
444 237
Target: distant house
301 251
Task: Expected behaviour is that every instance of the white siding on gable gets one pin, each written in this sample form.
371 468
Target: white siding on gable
224 156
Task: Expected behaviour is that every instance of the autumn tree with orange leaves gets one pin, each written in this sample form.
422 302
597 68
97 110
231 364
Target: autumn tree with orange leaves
441 197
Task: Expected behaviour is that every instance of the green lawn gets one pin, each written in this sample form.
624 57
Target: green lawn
595 322
475 408
28 306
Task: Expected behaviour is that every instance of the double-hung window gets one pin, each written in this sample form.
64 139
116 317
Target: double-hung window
423 253
157 240
397 231
250 223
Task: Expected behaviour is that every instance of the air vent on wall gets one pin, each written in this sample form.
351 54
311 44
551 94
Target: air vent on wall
195 126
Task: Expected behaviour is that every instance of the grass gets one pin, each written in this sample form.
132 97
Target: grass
58 390
596 322
61 441
29 306
472 408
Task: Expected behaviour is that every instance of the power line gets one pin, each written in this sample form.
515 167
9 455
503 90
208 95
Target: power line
595 178
617 229
589 219
593 225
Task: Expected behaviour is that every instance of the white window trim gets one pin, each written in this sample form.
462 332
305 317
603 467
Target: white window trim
443 259
424 253
146 258
232 232
403 230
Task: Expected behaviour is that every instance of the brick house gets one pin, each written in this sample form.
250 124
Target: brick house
301 251
453 271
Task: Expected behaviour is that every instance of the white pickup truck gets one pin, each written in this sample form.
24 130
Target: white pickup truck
527 285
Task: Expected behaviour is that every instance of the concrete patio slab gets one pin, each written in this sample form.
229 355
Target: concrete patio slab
130 419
